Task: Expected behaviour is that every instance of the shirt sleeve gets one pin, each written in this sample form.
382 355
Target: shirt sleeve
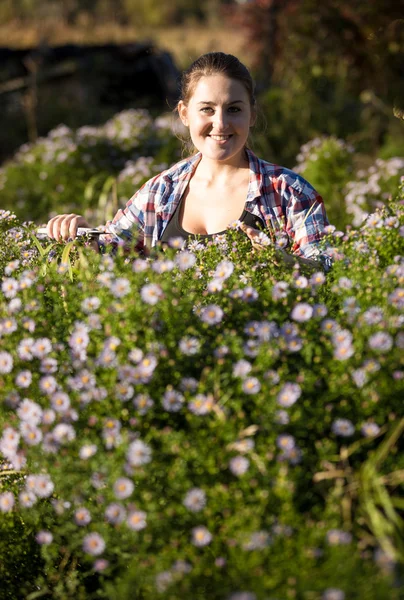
306 219
128 224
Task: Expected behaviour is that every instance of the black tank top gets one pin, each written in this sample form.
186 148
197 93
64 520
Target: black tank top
174 229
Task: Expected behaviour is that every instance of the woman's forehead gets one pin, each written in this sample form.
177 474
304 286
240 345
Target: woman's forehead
219 87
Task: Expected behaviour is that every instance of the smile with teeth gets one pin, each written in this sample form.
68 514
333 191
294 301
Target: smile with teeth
219 138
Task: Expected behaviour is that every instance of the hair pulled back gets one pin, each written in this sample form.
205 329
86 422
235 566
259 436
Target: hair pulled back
214 63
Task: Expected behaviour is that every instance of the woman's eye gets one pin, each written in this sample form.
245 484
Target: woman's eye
206 109
234 109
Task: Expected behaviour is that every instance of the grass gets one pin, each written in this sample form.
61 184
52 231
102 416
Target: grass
185 42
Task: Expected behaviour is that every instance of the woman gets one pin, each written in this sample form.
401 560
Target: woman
223 181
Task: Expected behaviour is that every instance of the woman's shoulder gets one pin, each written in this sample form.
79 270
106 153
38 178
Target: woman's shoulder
282 177
177 170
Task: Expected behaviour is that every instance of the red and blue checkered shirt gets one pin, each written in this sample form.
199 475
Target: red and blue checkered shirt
277 195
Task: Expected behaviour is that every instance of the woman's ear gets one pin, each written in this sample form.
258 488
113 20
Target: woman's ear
183 112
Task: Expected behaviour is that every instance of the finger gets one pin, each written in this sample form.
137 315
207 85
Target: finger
65 226
53 227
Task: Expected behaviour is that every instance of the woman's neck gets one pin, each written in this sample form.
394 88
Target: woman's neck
213 171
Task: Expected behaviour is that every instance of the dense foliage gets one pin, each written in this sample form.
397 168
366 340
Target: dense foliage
203 423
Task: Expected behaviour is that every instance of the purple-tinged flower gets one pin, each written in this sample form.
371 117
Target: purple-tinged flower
9 287
317 279
143 403
215 285
23 379
301 282
115 513
138 453
87 451
320 310
285 442
44 537
123 488
258 541
302 312
176 242
8 326
162 266
172 400
7 501
11 267
211 314
135 355
373 315
124 391
370 429
195 500
289 394
202 404
280 290
82 516
251 385
151 293
139 265
396 298
343 427
241 368
281 417
182 567
31 434
93 544
60 402
120 287
188 384
239 465
329 326
100 565
288 330
224 269
27 499
64 433
359 377
24 349
42 485
381 342
250 294
343 351
185 260
90 304
189 345
221 351
201 536
41 348
48 385
272 376
292 455
136 520
30 412
333 594
79 339
337 537
163 580
48 365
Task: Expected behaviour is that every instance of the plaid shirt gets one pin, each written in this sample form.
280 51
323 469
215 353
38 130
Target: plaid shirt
279 196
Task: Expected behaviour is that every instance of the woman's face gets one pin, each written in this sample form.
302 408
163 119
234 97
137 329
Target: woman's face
219 117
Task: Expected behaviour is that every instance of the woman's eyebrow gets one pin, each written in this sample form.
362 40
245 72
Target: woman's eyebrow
214 104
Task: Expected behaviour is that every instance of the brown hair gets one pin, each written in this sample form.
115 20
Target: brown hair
214 63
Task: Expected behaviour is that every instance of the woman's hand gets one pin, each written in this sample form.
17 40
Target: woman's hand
63 227
259 239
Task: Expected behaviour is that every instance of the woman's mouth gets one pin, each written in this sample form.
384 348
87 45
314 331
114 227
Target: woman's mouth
220 138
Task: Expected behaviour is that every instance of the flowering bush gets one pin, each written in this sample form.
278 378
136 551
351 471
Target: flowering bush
204 423
67 170
350 194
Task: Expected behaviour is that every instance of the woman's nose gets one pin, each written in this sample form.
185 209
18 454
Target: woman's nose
220 120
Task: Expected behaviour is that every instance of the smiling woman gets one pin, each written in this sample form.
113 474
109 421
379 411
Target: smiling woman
223 183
